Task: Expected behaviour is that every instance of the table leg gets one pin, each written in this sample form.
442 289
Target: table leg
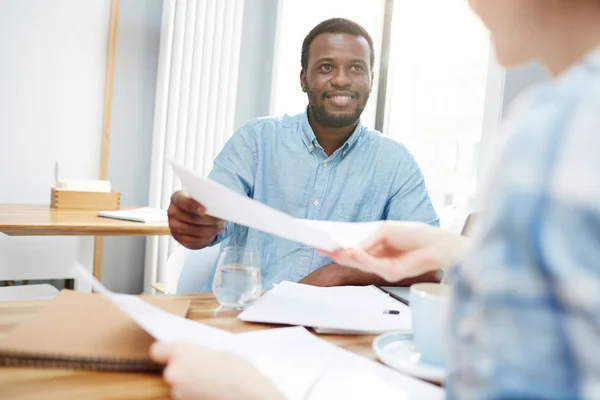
98 257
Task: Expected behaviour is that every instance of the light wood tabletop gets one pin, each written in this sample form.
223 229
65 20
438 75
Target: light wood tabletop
30 383
35 220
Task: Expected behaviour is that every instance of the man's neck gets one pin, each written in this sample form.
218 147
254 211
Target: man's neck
330 139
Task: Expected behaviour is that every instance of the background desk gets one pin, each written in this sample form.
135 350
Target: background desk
30 383
32 220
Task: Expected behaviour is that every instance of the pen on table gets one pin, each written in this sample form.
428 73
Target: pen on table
388 311
392 295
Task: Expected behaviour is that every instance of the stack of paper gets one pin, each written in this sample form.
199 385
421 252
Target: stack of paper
143 214
342 309
301 365
221 202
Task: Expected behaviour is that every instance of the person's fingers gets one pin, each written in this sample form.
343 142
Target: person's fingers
177 393
196 231
160 352
175 213
389 269
379 237
422 260
380 249
346 258
172 373
184 202
407 265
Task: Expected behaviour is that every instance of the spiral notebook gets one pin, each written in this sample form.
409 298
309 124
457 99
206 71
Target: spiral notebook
84 331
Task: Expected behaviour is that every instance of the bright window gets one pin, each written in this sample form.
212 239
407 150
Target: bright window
436 89
436 92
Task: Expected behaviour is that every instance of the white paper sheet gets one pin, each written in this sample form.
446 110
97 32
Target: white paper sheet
300 364
329 372
228 205
342 309
142 214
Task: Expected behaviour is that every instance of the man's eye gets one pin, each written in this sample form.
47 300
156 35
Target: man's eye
326 67
357 68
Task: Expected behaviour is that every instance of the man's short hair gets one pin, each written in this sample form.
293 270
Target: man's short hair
335 25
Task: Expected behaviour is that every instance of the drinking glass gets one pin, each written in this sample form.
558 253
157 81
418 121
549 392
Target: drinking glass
237 278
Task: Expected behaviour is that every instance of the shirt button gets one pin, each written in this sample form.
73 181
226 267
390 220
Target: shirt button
325 164
344 153
316 202
310 147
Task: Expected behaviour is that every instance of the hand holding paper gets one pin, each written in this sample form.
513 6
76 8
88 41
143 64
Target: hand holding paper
223 203
189 223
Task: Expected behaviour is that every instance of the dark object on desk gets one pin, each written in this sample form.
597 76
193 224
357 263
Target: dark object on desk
392 312
393 295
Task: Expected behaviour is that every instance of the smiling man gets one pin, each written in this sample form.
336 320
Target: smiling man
322 164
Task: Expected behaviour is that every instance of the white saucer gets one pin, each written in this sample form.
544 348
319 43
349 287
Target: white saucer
397 350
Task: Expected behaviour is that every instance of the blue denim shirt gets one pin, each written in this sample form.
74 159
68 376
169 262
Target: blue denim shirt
525 315
279 162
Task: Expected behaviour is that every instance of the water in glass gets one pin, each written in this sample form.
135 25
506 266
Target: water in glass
237 280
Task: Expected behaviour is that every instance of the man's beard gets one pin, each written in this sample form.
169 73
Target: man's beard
328 120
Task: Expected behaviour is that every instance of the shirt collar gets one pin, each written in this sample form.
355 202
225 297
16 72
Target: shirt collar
593 59
310 140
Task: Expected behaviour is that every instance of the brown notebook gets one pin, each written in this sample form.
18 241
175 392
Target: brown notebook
84 331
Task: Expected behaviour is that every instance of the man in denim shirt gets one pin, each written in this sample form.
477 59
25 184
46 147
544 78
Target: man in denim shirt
321 164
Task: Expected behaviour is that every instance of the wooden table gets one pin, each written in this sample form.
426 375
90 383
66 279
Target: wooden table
29 383
31 220
35 220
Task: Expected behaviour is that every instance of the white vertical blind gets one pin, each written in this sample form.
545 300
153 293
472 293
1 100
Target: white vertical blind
195 100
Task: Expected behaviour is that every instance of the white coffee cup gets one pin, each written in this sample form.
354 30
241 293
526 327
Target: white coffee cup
428 305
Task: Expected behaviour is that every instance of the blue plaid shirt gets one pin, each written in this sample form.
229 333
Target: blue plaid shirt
279 162
525 314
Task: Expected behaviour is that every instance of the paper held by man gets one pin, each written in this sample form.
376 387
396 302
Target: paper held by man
224 203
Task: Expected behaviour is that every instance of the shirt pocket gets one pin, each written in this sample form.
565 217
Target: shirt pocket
357 212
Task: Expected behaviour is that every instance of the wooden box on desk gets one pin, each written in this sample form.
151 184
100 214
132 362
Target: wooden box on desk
70 199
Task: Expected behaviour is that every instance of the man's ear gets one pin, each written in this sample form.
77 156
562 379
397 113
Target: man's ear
303 80
372 80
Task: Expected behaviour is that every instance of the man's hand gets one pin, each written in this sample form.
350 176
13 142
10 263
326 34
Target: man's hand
188 223
338 275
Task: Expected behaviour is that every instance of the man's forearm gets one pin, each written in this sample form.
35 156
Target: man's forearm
360 278
336 275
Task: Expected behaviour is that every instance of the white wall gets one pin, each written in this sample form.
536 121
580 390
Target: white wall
52 90
52 75
51 97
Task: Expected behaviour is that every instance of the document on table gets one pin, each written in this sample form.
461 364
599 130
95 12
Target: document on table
301 365
224 203
142 214
342 309
332 372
